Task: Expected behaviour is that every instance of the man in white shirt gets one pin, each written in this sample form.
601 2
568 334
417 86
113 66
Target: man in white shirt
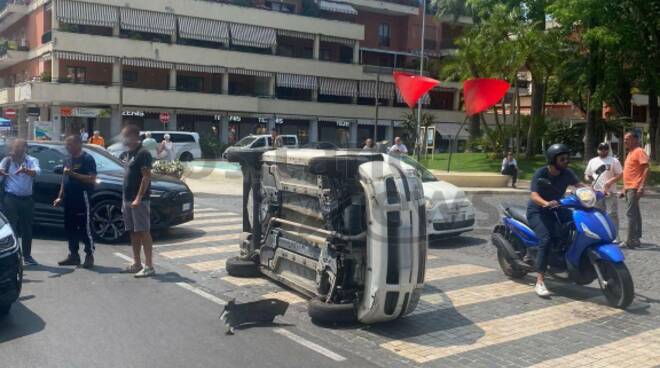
398 147
607 181
510 167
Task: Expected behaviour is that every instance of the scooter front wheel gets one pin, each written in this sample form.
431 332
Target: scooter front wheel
619 288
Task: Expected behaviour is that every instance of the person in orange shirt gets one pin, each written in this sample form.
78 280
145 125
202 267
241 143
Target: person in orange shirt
635 172
97 139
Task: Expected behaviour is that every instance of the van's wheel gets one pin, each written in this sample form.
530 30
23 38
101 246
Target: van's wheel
327 313
4 309
507 267
186 157
239 267
620 289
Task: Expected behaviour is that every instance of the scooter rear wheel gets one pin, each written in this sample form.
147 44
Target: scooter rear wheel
506 266
620 289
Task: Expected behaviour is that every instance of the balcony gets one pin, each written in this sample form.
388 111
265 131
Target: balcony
46 37
12 12
12 53
396 7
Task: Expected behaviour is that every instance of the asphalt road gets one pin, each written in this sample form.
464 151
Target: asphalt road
470 314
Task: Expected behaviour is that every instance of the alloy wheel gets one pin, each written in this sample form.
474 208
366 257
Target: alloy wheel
108 222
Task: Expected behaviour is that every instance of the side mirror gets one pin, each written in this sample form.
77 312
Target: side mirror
59 169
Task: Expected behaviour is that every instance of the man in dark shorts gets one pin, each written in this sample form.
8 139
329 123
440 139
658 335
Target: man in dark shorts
543 204
75 194
136 205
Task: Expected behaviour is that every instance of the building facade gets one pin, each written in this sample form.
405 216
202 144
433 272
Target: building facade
314 69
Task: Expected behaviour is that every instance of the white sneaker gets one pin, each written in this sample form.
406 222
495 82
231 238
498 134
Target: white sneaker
145 272
541 290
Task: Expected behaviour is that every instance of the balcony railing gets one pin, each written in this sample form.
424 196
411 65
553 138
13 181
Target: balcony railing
14 2
385 70
6 46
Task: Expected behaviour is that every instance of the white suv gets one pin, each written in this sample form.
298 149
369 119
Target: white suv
263 141
186 144
347 229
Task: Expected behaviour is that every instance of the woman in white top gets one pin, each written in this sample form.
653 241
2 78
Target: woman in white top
166 149
510 167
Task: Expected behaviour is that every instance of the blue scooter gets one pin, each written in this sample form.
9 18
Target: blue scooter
585 250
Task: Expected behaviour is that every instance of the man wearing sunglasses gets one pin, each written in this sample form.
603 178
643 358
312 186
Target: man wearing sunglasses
544 202
606 180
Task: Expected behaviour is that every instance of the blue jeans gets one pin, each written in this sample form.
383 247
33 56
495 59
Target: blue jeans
548 230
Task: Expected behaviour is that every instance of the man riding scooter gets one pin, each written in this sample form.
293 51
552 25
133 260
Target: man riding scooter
542 211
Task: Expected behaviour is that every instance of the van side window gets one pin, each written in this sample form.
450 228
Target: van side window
259 143
270 141
288 141
182 138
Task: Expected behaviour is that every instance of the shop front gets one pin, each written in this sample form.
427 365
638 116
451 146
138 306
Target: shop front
146 120
336 131
366 130
77 118
298 127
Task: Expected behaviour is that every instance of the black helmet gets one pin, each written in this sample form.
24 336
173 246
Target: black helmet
604 146
556 150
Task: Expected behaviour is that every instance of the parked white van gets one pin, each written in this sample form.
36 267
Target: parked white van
264 141
186 144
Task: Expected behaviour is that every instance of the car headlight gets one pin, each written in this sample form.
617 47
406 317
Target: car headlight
587 197
588 232
7 240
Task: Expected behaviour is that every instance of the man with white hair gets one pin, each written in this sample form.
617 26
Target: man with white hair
150 144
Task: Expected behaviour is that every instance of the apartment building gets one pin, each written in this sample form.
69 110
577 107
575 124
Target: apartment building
302 67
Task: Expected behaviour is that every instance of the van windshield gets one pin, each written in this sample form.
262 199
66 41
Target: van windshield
245 141
423 172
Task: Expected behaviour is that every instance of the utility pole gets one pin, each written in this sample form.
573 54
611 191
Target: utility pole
121 92
377 104
418 143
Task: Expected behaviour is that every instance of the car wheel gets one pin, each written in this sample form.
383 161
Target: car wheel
186 157
239 267
4 309
108 221
328 313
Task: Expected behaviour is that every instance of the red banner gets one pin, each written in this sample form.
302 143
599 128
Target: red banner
413 87
482 94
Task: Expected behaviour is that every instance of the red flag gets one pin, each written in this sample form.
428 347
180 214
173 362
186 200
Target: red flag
412 87
482 94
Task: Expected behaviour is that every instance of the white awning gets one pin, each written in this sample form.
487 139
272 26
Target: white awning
147 63
67 55
343 41
368 89
296 81
76 12
426 99
337 7
200 68
253 73
203 29
449 130
338 87
295 34
147 21
252 36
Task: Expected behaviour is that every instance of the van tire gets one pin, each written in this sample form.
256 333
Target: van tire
328 313
186 157
239 267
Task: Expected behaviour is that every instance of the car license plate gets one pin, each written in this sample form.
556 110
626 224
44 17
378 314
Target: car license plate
186 207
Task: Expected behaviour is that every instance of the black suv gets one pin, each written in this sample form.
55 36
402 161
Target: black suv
171 200
11 267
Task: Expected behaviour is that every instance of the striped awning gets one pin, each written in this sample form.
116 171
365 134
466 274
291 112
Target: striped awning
295 34
252 36
211 69
77 12
343 41
147 63
426 99
203 29
147 21
340 8
296 81
368 89
253 73
338 87
67 55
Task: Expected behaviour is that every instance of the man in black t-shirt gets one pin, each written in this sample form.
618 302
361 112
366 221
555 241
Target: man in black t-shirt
75 195
136 206
543 201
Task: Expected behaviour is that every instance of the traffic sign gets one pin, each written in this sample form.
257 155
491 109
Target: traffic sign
164 117
10 113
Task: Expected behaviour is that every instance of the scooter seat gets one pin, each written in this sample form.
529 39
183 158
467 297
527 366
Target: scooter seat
517 213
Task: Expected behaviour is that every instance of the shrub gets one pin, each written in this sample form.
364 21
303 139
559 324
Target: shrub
169 168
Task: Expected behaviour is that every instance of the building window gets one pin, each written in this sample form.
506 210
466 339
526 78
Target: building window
76 74
130 76
326 55
384 35
281 7
190 83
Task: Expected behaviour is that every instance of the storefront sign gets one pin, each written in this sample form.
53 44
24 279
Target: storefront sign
84 112
42 130
9 113
139 114
263 120
235 118
217 117
279 121
33 111
344 124
164 117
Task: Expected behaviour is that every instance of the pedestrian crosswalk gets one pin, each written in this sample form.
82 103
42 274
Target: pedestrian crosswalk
448 289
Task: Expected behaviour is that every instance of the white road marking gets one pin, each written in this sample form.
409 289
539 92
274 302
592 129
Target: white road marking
202 293
310 345
203 239
124 257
